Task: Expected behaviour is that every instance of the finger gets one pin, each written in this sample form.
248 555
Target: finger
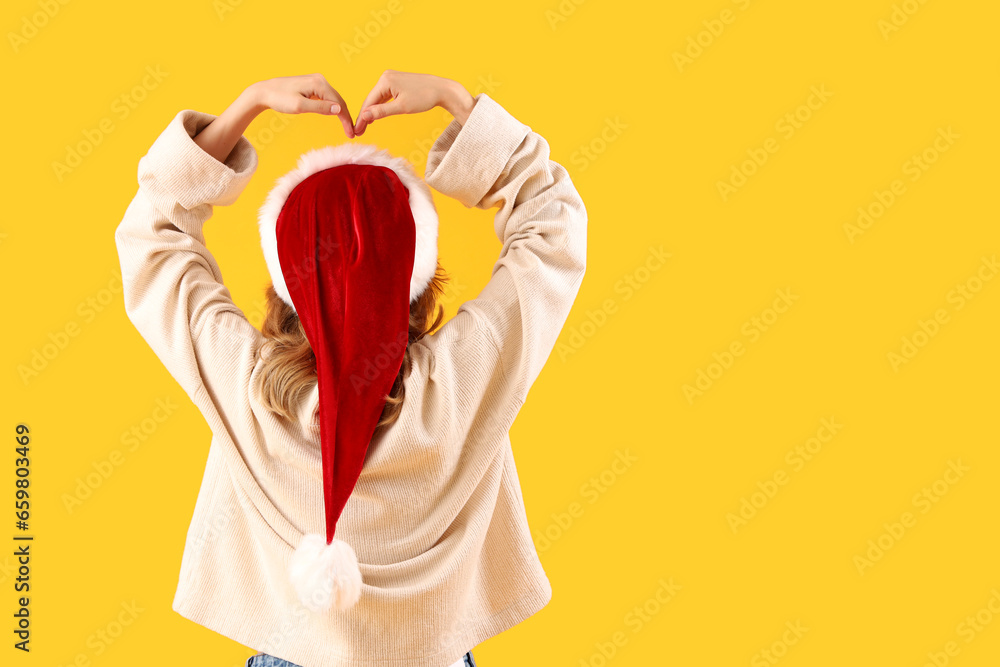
327 108
340 110
345 118
380 93
320 106
339 107
379 111
364 117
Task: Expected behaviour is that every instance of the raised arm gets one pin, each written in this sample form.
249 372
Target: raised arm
220 136
493 160
173 288
487 357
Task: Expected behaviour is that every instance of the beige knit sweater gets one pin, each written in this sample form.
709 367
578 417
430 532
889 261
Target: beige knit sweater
437 517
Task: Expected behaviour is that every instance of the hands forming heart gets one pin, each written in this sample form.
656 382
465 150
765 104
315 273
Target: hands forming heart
394 93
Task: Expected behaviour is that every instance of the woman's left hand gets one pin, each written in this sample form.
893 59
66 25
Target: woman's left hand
308 93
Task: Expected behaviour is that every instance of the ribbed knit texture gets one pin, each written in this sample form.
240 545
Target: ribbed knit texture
437 517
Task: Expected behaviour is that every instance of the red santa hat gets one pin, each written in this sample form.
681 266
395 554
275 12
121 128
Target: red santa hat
350 240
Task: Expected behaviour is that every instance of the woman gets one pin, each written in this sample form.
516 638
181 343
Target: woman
435 526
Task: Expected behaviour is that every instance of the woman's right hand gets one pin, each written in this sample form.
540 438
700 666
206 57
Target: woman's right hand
408 92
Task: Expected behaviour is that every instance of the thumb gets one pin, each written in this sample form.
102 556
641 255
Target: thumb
377 111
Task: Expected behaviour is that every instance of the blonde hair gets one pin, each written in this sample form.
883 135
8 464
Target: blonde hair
289 365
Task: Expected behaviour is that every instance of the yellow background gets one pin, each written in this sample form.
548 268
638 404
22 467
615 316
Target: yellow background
573 73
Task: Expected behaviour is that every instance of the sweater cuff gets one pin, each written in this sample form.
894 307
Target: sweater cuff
178 169
466 160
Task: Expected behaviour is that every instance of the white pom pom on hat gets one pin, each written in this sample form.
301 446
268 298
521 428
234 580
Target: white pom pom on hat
325 575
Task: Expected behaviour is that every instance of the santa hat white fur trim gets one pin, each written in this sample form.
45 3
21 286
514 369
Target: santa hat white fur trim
325 575
421 206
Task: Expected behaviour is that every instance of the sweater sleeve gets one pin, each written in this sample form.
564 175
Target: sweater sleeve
493 160
173 289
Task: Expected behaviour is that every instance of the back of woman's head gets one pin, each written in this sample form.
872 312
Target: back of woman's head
289 365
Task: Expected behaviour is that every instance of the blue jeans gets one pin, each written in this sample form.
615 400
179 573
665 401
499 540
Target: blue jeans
265 660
